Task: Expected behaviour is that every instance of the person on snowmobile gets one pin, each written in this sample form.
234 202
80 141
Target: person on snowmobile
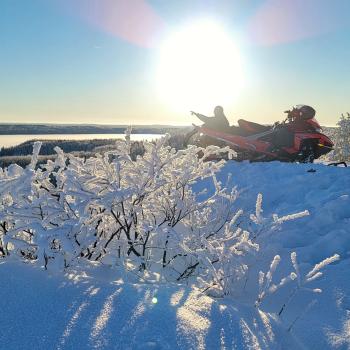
299 114
284 136
218 121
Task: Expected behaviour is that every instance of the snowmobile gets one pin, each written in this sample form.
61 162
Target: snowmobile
297 139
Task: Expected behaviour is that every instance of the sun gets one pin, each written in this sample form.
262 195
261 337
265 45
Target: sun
200 66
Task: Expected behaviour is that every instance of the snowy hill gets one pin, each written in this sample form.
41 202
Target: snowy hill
96 306
325 193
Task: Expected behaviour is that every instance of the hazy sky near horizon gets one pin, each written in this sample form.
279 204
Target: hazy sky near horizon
131 61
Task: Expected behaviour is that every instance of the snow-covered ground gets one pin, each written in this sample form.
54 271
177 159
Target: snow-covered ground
96 307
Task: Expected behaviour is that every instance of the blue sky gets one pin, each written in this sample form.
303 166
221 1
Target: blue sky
75 61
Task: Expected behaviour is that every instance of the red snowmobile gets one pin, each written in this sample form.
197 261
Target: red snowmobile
297 139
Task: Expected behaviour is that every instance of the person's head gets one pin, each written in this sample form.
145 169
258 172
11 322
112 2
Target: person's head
303 112
307 112
218 110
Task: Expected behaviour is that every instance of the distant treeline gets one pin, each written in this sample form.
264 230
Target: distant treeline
47 148
38 129
21 154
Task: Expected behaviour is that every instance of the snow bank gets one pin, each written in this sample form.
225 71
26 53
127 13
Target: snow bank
325 193
87 311
98 308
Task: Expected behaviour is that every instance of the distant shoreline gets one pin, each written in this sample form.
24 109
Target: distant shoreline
50 129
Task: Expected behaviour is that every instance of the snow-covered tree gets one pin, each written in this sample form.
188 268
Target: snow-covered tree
341 151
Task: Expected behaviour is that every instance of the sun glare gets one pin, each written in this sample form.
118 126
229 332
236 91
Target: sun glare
200 66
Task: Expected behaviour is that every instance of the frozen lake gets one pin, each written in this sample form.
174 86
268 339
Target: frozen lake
13 140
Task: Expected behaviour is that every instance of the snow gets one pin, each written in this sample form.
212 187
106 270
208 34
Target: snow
288 188
46 311
97 307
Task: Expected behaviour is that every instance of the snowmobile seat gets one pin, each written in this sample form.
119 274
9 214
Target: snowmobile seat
252 127
236 130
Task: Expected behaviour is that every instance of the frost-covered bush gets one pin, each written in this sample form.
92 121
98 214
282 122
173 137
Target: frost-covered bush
142 214
268 287
302 281
341 151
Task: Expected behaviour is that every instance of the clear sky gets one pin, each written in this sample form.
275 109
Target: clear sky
131 61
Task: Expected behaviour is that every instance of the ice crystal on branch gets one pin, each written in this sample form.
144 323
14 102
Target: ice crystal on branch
265 281
314 273
280 220
311 276
257 218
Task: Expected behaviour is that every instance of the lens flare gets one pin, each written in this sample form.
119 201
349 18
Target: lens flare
283 21
134 21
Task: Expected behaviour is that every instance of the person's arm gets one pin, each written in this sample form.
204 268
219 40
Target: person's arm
201 117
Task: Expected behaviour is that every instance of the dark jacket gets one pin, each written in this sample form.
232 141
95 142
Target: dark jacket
218 122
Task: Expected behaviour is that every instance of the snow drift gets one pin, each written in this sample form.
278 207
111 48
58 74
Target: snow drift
265 250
